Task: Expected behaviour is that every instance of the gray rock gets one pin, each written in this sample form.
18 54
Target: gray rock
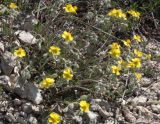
27 108
92 117
156 108
102 111
21 120
145 82
37 109
5 82
155 87
10 117
23 114
78 119
23 88
128 115
144 113
26 37
8 63
1 46
32 120
139 100
27 90
17 102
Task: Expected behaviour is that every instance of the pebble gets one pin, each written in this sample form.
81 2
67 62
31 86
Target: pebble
155 108
17 102
139 99
32 120
27 108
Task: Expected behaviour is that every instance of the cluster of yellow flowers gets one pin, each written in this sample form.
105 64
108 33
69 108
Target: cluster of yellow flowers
55 51
118 13
48 82
55 118
134 13
132 63
115 52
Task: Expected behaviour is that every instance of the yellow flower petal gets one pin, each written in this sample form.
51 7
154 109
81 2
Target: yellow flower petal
20 52
84 106
13 6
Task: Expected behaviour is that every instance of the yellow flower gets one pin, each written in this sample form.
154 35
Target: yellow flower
118 13
134 13
148 56
135 63
84 106
54 118
55 50
137 38
138 75
67 74
13 6
138 53
67 36
115 52
130 64
115 46
115 70
47 82
70 9
122 63
20 52
127 42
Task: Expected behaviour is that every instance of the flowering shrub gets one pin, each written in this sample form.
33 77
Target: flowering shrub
80 48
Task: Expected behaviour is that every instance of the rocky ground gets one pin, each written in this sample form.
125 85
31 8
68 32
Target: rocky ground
23 102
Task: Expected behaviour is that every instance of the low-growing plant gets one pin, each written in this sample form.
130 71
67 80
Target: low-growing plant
95 52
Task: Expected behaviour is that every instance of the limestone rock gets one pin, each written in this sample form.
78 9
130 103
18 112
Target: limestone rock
26 37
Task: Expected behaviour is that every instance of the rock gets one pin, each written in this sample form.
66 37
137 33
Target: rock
4 105
102 111
110 121
37 109
10 117
78 119
32 120
27 108
5 82
92 117
17 102
23 114
156 108
145 82
1 46
23 88
21 120
26 37
27 90
155 87
139 100
102 103
143 111
8 62
128 115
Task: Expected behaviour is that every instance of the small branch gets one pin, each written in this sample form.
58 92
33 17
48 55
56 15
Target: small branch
68 90
155 23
